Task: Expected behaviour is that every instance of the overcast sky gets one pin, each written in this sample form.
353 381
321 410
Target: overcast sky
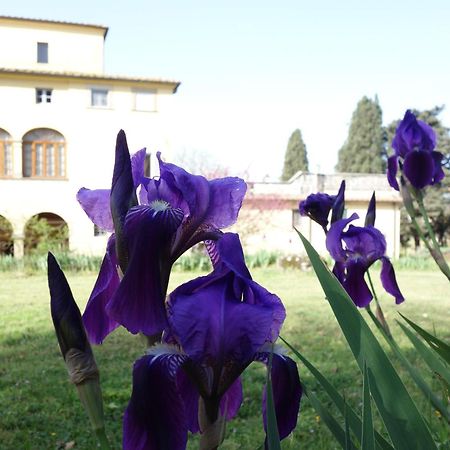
253 71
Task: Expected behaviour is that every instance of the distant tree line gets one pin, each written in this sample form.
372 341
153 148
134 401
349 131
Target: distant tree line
366 150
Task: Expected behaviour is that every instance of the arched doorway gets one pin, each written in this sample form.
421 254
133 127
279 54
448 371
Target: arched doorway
6 240
6 154
44 154
46 232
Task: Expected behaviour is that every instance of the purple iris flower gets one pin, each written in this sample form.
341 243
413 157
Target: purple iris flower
414 144
154 222
318 206
218 325
354 251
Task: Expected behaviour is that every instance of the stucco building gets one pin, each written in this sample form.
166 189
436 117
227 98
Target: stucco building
59 116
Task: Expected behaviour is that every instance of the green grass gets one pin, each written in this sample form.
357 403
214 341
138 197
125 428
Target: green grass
40 409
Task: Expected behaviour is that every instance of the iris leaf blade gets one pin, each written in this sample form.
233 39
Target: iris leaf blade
436 344
273 438
404 423
367 438
354 421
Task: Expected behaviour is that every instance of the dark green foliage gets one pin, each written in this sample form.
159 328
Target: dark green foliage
364 150
296 158
437 198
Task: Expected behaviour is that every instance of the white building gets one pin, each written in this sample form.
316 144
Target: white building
59 116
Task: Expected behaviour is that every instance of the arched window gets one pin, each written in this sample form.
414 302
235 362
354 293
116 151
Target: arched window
44 154
6 154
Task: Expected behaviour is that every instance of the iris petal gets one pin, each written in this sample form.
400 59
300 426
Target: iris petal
389 281
95 204
438 174
138 303
356 286
97 322
287 392
392 172
419 168
334 238
155 418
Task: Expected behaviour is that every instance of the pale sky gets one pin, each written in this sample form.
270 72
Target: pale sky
253 71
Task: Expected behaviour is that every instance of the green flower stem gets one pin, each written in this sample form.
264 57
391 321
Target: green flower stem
435 251
102 439
381 319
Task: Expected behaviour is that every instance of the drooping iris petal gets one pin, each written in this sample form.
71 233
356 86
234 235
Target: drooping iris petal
438 174
355 285
138 303
389 281
334 238
97 322
392 167
95 204
419 168
317 207
190 396
155 418
222 329
287 392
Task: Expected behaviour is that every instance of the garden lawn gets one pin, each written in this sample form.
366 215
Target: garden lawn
39 409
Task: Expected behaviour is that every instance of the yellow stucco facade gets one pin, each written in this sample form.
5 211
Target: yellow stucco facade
59 120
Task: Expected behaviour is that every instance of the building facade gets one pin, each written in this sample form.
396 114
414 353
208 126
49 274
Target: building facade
270 211
59 117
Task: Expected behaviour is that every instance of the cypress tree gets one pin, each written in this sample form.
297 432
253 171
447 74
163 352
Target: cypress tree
295 158
365 148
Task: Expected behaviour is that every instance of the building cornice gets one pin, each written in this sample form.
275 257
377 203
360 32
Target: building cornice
56 22
92 77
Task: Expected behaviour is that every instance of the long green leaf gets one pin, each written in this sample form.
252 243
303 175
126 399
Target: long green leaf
429 356
354 421
368 438
436 344
273 438
404 423
332 424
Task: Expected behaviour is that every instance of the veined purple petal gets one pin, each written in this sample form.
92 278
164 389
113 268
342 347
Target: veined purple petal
334 238
190 396
137 167
364 244
231 255
161 190
155 418
287 392
97 322
438 174
389 281
212 327
419 168
95 204
226 196
194 188
392 172
138 303
356 286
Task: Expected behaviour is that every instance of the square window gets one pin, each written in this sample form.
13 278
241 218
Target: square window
145 101
99 98
43 95
42 52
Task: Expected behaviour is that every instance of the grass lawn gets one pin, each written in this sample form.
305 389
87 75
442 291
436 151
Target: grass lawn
40 409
